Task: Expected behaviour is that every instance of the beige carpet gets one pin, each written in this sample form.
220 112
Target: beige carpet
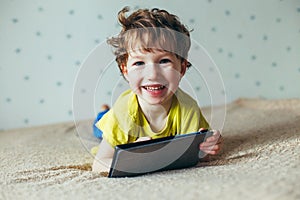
261 160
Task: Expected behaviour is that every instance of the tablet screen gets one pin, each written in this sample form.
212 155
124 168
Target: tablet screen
167 153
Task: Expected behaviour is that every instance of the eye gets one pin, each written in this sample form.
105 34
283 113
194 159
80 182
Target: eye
164 61
139 63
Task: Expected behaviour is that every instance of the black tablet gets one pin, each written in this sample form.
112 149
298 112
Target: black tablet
166 153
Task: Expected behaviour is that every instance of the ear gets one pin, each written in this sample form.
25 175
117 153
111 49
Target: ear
124 71
184 64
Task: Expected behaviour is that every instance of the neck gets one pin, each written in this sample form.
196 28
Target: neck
156 114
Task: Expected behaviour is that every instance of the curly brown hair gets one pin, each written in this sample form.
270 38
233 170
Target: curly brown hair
148 30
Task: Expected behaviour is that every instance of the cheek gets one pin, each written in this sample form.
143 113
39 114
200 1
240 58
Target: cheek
172 76
134 80
133 76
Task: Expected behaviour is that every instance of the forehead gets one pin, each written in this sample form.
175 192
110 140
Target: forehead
139 53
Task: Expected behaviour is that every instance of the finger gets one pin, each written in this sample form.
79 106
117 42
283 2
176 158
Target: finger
212 139
216 147
207 145
143 139
216 136
212 148
216 132
210 152
212 142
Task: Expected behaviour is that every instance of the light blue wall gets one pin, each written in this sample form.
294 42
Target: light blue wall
255 45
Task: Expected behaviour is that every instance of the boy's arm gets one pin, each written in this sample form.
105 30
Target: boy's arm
102 161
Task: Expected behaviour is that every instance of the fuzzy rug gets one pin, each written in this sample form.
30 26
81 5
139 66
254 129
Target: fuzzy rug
260 160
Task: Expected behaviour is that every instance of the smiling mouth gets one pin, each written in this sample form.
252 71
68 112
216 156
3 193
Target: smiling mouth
154 88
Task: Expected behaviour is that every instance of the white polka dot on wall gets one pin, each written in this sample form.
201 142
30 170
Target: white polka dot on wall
252 17
17 50
77 63
274 64
26 121
227 12
40 9
253 57
58 83
192 21
15 20
38 33
68 36
49 57
100 17
265 37
278 20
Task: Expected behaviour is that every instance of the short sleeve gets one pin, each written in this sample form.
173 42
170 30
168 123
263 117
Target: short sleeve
112 133
191 117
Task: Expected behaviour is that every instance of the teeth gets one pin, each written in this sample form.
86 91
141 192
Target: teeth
154 88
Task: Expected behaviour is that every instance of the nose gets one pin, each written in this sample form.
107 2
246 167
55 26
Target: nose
152 71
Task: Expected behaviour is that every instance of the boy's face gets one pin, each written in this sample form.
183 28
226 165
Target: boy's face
154 76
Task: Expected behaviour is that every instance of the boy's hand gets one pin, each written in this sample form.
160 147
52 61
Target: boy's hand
140 139
212 145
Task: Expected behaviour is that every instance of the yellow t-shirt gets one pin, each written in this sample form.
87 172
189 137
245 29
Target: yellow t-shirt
125 121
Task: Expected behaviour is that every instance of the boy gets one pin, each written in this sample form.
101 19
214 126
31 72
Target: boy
151 52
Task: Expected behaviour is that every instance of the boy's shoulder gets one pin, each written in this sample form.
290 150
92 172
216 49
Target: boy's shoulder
124 100
127 104
185 100
121 111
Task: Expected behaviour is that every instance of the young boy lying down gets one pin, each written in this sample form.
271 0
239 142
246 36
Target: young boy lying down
151 51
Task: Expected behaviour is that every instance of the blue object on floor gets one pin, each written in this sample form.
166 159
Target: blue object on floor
97 131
